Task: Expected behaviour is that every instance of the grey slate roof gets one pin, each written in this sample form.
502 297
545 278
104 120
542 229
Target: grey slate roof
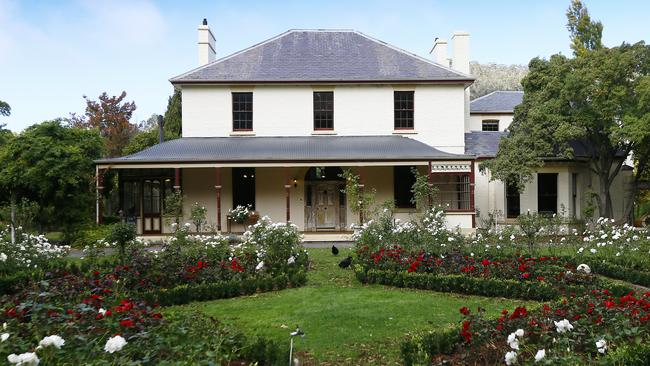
483 144
321 55
291 148
501 101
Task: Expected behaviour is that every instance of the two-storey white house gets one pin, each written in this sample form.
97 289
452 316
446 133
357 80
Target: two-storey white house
273 126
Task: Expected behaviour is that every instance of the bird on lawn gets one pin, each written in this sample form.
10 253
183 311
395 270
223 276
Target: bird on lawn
335 250
346 262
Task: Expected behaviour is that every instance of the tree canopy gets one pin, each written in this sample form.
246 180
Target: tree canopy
111 116
599 98
5 109
52 165
148 134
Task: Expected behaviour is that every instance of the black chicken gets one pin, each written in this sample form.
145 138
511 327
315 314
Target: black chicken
335 250
346 262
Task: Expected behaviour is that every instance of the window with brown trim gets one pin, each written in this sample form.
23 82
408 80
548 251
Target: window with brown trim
490 125
403 109
242 111
323 110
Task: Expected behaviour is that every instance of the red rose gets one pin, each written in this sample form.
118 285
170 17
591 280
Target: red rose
504 311
485 262
127 323
464 310
526 275
157 315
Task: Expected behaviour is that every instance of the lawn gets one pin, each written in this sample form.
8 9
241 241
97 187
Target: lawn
345 322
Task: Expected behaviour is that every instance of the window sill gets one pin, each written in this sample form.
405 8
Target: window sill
405 132
323 132
242 133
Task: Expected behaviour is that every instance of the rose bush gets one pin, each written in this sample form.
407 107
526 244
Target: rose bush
575 330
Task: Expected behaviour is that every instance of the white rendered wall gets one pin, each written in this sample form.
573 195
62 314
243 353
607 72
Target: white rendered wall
476 121
358 110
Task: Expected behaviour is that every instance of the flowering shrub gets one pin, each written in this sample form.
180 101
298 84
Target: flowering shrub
572 331
30 252
240 213
87 320
428 233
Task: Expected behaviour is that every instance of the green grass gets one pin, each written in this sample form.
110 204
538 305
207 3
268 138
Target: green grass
345 322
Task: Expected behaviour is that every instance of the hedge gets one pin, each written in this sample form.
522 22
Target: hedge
490 287
419 349
185 294
461 284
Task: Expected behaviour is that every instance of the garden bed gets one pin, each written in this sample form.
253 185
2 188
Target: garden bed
108 310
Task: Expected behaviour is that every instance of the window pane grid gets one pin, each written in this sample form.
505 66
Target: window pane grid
490 125
453 192
323 110
403 107
242 111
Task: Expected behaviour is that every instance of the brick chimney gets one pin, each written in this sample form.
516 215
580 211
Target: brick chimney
207 51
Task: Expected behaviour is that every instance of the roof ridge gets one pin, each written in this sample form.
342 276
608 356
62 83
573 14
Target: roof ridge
457 73
408 53
483 96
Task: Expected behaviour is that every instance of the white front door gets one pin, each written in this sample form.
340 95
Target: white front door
326 205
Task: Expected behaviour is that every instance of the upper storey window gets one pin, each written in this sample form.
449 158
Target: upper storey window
403 110
490 125
242 111
323 110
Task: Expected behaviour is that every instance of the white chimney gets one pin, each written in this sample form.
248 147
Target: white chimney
206 44
460 60
439 52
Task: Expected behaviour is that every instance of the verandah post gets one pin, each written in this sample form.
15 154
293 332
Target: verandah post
177 179
287 187
361 191
430 182
100 196
218 187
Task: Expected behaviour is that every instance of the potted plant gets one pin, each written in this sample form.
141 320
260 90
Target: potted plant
240 214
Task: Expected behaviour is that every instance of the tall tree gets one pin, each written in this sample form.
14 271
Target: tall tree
5 109
148 134
52 165
598 98
491 77
111 115
586 35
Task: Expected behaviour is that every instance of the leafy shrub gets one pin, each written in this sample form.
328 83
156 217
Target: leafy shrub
417 349
121 234
89 236
197 216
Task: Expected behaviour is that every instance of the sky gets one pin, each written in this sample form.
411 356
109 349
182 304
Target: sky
52 53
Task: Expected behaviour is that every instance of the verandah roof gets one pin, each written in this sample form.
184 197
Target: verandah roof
286 149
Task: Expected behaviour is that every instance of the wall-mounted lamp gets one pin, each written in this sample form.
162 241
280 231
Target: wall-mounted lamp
295 183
